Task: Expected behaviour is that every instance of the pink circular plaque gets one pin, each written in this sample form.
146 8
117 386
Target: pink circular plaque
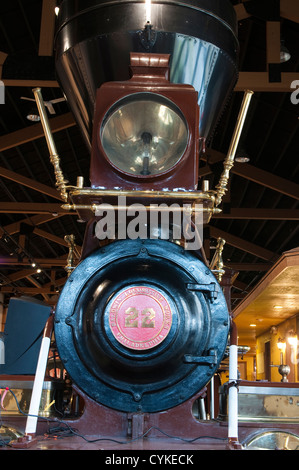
140 317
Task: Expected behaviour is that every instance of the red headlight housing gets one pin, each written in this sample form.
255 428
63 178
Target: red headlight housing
145 131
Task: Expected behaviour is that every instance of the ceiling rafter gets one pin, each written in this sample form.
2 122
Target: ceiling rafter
30 83
62 261
42 262
248 266
30 183
267 179
259 82
3 57
234 213
289 9
38 286
15 227
47 29
28 290
27 134
50 236
242 244
255 81
257 175
33 208
55 239
240 213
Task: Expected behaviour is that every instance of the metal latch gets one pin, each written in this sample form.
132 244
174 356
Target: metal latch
209 360
210 289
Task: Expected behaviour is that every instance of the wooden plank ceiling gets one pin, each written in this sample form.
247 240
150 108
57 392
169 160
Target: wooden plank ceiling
260 214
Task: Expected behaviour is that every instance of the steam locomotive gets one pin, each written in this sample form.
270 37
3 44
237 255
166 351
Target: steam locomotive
142 323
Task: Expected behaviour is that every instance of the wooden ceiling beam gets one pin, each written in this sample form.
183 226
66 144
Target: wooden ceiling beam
240 213
41 262
3 56
50 236
27 290
32 208
252 173
273 42
289 9
241 12
243 245
30 83
248 266
17 276
39 286
255 81
35 220
27 134
30 183
47 29
276 183
259 82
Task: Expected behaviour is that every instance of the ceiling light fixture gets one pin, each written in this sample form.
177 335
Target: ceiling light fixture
242 159
33 115
281 344
292 339
284 52
242 156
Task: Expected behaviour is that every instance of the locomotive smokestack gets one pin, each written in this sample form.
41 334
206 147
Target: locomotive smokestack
94 41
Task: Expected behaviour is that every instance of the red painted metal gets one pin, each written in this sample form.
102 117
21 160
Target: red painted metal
140 317
150 75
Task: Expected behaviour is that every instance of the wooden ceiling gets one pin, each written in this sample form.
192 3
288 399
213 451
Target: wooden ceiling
260 214
274 299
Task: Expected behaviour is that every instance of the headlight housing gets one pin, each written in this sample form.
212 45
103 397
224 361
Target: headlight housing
145 131
144 135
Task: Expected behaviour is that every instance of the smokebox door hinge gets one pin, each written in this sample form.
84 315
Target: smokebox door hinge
210 289
209 360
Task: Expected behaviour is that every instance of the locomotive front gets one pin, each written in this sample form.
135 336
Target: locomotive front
142 323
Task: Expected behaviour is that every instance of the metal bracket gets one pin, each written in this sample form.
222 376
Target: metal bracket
148 36
210 360
234 383
210 289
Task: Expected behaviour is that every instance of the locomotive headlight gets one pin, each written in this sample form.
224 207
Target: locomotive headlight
144 135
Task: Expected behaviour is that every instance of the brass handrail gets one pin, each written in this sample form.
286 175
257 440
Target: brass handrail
229 160
54 157
217 265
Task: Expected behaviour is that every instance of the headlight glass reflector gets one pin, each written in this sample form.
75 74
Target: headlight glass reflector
144 135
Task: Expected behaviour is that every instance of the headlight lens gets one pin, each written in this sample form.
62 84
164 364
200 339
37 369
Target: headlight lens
144 135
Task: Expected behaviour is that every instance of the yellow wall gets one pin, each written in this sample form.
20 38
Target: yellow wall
289 358
247 368
251 367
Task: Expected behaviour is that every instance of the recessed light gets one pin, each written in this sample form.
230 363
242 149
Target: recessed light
242 159
33 115
277 307
252 325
